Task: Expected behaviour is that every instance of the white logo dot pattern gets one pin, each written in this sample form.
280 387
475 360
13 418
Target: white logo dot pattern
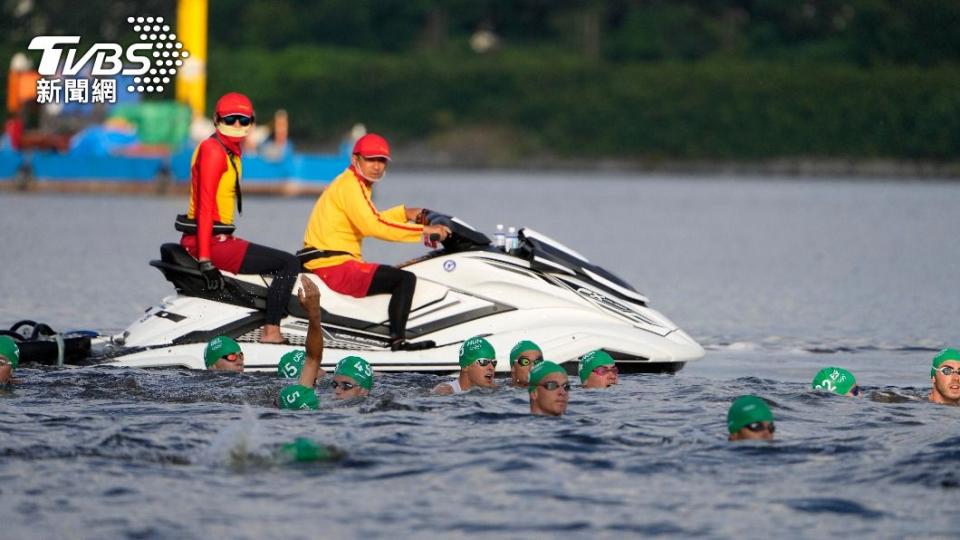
167 52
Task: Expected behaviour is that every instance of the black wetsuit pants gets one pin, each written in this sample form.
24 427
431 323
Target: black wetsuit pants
400 284
283 266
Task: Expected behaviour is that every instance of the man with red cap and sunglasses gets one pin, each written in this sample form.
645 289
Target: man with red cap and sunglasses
208 225
344 215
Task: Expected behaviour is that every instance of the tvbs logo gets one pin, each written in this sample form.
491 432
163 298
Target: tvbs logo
152 61
107 57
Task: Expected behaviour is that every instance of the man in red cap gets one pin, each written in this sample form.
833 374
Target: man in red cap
343 216
208 227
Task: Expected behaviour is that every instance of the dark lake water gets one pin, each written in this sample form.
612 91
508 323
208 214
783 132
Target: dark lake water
776 278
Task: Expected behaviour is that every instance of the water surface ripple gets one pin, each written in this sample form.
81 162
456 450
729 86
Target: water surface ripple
776 279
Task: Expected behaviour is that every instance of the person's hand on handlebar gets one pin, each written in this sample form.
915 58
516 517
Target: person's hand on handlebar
435 233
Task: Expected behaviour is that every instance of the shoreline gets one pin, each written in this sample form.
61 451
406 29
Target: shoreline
418 161
779 167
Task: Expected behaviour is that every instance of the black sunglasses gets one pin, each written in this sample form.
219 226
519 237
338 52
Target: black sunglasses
759 426
523 361
346 385
484 362
553 385
948 370
232 119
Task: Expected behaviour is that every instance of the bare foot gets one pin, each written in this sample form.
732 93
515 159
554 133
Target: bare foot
270 333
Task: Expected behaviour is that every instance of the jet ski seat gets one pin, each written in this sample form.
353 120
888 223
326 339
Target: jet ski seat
250 290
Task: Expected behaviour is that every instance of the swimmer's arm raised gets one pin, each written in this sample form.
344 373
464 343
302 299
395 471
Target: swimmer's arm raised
309 297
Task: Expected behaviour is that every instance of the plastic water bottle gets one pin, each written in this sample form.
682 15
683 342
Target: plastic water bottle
498 238
512 241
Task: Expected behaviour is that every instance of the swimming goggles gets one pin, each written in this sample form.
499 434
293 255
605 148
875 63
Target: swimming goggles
484 362
232 357
550 386
523 361
948 370
760 426
603 370
346 385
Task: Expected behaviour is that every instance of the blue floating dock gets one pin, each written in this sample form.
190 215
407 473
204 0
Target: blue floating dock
10 162
290 175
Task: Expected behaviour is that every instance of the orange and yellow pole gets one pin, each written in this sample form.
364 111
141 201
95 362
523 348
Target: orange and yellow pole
192 76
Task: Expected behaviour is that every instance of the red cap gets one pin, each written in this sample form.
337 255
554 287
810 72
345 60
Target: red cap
234 103
372 145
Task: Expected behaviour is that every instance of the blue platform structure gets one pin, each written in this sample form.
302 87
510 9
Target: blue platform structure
291 173
55 167
9 165
312 169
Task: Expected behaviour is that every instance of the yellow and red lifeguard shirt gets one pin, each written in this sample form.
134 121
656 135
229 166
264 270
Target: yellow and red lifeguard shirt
213 187
344 215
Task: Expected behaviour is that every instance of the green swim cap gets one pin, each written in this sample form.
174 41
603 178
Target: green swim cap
747 410
10 350
302 449
591 361
525 345
943 356
297 396
357 369
291 364
834 379
541 370
474 349
219 347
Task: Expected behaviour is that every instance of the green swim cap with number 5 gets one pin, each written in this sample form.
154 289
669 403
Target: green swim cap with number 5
291 364
297 396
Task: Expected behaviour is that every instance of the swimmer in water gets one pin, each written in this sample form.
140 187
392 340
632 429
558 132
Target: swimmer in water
523 357
9 358
945 377
750 419
302 395
836 380
598 370
291 364
549 389
352 378
478 363
303 450
223 354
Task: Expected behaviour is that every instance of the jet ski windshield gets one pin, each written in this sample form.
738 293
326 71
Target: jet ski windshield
548 255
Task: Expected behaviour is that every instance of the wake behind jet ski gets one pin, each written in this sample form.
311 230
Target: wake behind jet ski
541 290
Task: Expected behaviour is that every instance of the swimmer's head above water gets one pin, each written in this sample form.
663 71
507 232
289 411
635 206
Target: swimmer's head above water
945 377
749 418
9 358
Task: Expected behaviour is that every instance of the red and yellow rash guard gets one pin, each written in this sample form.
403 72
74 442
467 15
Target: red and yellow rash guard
344 215
213 188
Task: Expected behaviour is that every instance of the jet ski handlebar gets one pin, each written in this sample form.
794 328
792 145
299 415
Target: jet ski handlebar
462 237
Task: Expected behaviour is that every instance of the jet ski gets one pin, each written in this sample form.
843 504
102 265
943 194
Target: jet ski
539 290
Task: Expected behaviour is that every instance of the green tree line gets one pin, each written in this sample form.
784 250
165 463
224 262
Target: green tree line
739 79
